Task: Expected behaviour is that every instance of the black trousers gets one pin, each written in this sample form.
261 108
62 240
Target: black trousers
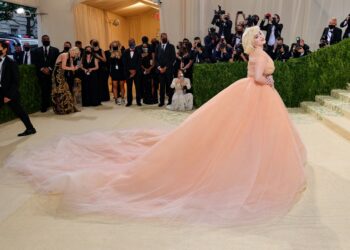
46 88
155 79
16 108
136 80
165 82
146 84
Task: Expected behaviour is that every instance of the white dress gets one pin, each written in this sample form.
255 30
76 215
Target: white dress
181 101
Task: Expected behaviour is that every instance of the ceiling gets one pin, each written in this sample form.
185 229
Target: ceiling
123 8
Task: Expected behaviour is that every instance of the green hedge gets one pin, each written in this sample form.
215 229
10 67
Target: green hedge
296 80
29 90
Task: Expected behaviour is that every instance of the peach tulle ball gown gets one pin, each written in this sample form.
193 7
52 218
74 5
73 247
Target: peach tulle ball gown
236 159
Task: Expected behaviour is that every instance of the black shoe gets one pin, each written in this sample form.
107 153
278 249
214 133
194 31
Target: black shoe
161 105
43 110
128 105
27 132
139 104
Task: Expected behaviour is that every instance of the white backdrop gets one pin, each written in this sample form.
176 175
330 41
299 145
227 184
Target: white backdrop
304 18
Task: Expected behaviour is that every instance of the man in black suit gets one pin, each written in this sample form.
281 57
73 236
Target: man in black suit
346 24
132 67
332 34
165 58
18 54
27 56
9 83
273 30
45 59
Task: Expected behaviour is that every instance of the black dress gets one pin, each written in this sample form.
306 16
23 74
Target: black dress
103 76
146 80
116 68
90 89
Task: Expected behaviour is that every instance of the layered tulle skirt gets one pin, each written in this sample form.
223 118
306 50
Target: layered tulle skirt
236 159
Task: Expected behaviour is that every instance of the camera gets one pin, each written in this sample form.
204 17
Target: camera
268 15
250 21
279 47
220 11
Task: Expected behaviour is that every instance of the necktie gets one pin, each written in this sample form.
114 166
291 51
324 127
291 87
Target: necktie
163 47
45 53
26 58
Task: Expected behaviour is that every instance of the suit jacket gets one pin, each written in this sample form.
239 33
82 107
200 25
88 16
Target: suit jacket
19 57
41 62
343 24
166 58
268 29
9 79
131 63
336 37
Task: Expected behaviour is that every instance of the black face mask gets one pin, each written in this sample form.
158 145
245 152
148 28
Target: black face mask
88 52
164 40
66 49
240 32
132 45
26 49
95 44
46 43
274 21
331 26
115 48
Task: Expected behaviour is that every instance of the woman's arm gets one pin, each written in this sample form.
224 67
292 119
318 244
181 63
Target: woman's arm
64 59
188 83
96 65
260 61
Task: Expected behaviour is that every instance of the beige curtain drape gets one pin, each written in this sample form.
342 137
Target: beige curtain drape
305 18
96 23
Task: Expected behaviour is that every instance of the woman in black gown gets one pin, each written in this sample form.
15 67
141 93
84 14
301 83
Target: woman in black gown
90 89
102 72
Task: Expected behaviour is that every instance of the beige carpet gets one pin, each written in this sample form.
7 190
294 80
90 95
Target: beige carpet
319 221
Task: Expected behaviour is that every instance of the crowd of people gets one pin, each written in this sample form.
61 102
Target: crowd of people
79 75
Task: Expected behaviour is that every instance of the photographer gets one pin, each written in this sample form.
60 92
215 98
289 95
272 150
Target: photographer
236 43
332 34
250 21
210 42
223 52
198 51
273 29
299 49
222 20
344 24
281 51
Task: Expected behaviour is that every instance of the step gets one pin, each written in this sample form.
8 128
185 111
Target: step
341 94
335 121
334 104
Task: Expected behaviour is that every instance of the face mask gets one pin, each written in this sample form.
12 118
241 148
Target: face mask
115 48
239 32
88 52
132 45
164 40
95 44
46 43
331 26
26 49
274 21
66 49
1 52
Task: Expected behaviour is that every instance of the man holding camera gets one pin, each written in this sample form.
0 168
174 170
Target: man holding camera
223 52
281 50
273 29
300 48
344 24
222 20
332 34
236 43
210 42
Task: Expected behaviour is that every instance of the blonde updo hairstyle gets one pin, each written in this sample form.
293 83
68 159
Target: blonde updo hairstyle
75 51
248 39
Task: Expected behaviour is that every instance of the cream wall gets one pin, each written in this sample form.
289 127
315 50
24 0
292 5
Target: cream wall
305 18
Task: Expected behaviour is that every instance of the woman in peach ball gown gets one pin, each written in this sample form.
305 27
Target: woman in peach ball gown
237 159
